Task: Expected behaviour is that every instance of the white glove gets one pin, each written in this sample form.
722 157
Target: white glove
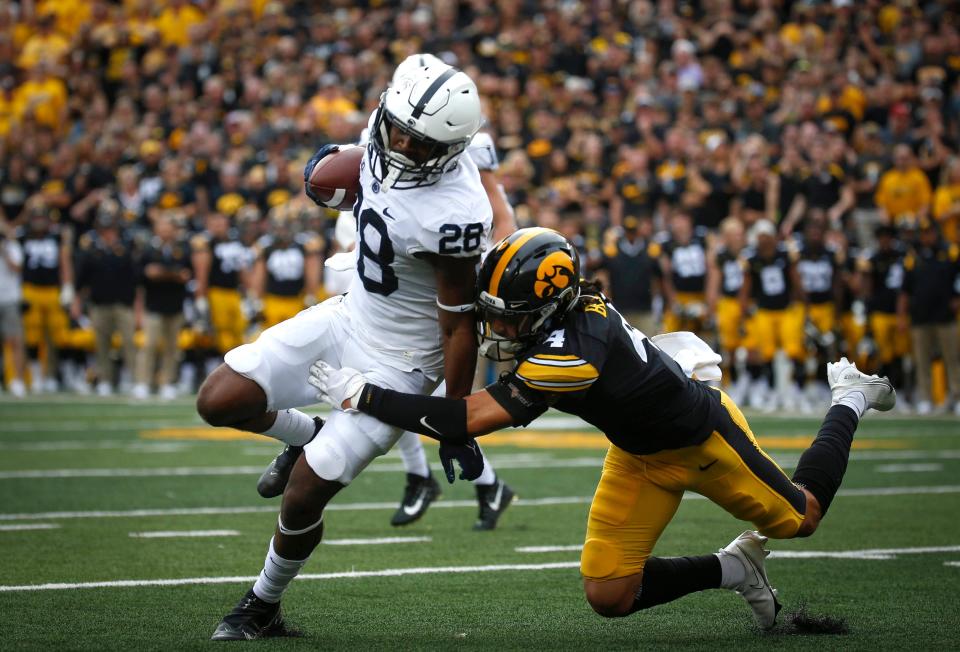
67 293
337 386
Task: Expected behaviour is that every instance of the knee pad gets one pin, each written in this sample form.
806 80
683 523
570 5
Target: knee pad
330 459
600 559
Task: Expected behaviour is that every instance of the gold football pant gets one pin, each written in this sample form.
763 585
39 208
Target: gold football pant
891 342
277 308
674 320
823 316
639 494
769 330
44 317
729 323
226 318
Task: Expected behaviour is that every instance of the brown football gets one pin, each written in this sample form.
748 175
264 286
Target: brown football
336 178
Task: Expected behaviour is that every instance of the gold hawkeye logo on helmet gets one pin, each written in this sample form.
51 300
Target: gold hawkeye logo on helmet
554 274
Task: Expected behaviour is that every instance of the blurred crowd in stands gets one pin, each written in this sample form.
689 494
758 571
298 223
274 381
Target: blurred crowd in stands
781 177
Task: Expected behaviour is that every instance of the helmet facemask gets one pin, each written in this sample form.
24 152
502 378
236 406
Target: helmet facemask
503 332
396 170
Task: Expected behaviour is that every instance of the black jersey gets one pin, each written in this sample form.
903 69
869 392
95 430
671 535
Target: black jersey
886 275
817 267
228 256
599 368
285 263
731 273
41 257
688 262
770 277
109 271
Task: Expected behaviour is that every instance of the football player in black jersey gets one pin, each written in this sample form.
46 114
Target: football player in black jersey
881 278
47 287
668 433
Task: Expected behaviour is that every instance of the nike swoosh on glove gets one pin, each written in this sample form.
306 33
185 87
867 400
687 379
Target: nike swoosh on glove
312 163
468 455
337 386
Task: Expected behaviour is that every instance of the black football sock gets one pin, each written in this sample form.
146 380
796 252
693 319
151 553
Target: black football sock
755 371
669 578
822 466
800 372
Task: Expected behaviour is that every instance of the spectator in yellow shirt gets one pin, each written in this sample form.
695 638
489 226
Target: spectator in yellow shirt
44 46
175 21
946 202
328 102
42 97
903 194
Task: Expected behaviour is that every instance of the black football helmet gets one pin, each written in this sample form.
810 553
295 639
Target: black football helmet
528 281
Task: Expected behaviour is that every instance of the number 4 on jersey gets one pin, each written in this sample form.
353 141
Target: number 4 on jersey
555 339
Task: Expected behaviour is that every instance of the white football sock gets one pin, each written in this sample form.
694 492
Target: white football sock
488 475
412 453
276 575
856 401
732 572
291 427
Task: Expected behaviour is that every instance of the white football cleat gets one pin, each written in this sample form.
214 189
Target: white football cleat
755 588
844 377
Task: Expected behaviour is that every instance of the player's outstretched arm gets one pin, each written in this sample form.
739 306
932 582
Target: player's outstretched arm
444 419
456 280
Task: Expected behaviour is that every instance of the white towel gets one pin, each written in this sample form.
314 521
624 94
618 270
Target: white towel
694 356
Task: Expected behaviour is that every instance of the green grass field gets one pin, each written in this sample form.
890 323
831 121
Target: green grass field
85 485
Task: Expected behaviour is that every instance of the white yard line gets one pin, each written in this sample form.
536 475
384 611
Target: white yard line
503 462
442 504
872 553
198 471
28 526
90 426
175 534
376 542
952 563
909 468
387 572
538 549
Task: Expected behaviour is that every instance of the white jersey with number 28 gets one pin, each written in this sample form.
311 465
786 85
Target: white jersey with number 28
392 299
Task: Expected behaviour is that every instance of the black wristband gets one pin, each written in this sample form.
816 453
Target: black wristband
444 419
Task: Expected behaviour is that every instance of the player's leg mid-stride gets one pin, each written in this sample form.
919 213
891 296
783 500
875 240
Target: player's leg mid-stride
621 578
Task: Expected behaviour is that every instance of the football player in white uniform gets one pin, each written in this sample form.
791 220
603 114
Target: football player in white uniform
493 495
407 321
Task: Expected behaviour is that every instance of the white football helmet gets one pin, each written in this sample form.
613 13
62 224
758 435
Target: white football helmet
438 107
413 63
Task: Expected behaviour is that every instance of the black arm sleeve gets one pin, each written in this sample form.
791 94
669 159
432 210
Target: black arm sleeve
444 419
522 403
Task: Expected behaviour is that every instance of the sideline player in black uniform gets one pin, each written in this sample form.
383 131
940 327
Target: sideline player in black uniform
881 278
221 262
47 287
724 279
668 433
684 265
769 294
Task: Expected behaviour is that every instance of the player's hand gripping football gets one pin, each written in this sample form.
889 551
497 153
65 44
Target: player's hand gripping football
341 388
312 163
467 454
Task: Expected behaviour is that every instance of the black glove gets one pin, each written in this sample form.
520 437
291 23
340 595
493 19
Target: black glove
468 455
312 163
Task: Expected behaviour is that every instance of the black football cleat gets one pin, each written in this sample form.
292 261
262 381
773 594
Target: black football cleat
274 479
252 618
417 496
494 500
